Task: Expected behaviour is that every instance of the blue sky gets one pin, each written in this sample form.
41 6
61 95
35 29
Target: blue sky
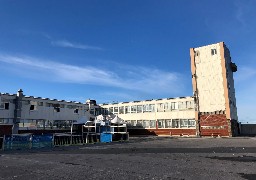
122 50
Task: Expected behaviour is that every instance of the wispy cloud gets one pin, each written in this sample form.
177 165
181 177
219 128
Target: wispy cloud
149 80
68 44
243 13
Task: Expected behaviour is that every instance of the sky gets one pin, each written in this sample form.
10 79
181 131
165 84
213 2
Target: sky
115 51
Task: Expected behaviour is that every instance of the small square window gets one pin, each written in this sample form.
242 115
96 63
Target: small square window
213 51
6 105
32 107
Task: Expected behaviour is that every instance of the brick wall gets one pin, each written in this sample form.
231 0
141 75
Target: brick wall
215 124
173 132
5 130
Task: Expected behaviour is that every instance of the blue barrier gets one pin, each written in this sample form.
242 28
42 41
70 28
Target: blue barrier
27 141
17 142
42 141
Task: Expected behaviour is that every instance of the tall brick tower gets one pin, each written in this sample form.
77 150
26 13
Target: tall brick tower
214 92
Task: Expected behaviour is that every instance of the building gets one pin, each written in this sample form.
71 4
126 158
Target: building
171 116
20 113
210 111
213 89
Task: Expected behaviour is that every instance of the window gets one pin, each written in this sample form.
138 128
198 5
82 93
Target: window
152 123
190 104
213 51
183 123
56 109
105 111
174 105
146 124
139 109
76 111
182 105
133 109
160 123
68 106
168 123
6 105
32 107
139 123
133 122
197 53
160 107
5 121
115 110
148 108
175 123
191 123
121 110
110 110
40 103
126 110
168 106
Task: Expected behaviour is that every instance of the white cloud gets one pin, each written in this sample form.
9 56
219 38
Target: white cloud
68 44
141 79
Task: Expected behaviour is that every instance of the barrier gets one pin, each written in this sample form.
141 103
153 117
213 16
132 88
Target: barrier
27 141
42 141
12 142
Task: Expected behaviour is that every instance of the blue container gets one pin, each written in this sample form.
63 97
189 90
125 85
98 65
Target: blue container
105 137
104 129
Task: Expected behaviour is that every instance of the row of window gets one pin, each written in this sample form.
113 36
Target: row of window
45 124
34 104
160 107
162 123
213 52
6 121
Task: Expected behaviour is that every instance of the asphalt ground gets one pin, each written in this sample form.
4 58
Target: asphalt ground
140 158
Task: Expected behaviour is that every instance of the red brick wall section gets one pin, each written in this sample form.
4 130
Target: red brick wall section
5 130
214 125
172 132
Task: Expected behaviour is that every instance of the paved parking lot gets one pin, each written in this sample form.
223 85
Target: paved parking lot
140 158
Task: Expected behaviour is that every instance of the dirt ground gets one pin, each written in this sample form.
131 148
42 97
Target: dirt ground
140 158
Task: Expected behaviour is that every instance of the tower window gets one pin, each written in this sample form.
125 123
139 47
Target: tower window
197 53
213 51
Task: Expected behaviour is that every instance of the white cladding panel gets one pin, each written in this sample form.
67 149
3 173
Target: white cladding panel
209 78
42 111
